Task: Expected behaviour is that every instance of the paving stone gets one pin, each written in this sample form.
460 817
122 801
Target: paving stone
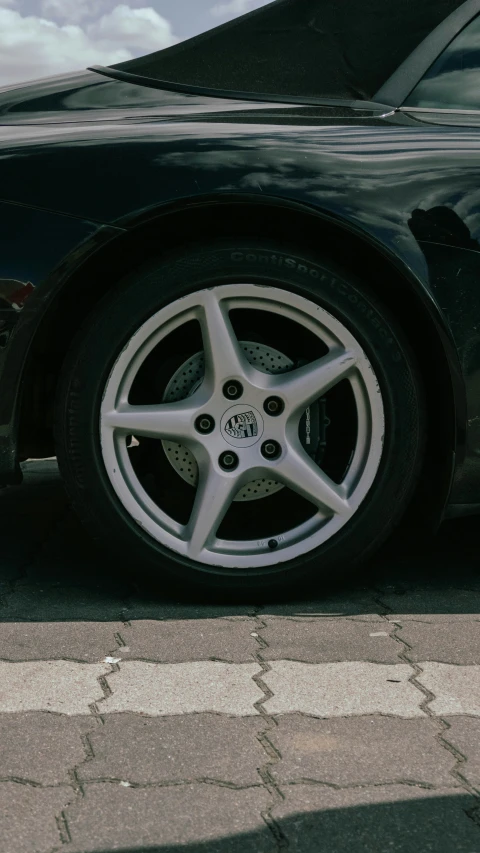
445 642
330 640
52 601
181 688
179 640
456 688
358 604
27 817
457 572
464 734
433 603
196 746
164 608
202 817
80 641
59 686
342 689
41 747
360 751
396 818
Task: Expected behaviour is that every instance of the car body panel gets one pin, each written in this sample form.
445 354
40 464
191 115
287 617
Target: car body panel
85 97
371 174
39 251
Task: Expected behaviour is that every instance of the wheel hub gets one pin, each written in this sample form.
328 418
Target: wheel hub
239 422
242 426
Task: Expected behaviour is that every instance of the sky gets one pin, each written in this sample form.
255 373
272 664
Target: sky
39 38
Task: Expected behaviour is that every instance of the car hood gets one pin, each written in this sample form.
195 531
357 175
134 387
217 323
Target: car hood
86 96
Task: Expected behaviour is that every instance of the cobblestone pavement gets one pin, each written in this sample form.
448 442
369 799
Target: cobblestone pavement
349 721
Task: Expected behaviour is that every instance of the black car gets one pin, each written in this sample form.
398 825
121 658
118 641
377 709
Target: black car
239 288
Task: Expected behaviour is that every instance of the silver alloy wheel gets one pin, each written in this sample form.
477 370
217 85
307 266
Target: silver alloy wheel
242 427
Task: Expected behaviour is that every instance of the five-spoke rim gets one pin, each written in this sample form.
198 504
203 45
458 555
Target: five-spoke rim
251 446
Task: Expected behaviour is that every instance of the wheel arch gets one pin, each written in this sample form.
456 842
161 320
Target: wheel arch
298 228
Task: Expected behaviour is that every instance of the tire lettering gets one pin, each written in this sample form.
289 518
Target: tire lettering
335 284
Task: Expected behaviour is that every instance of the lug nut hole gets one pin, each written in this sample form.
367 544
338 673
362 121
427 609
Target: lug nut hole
232 390
271 449
204 424
228 461
274 406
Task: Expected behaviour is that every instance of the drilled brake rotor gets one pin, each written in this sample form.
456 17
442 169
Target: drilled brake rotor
186 380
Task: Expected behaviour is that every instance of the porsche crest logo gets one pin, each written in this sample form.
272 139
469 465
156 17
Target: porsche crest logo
242 426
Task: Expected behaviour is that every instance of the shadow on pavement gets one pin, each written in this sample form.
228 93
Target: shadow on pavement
51 570
440 824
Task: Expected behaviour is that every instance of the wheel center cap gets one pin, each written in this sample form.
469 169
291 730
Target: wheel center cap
242 425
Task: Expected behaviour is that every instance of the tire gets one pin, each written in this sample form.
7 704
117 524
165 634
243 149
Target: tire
349 461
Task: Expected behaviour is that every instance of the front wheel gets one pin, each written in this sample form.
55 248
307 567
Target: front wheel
240 417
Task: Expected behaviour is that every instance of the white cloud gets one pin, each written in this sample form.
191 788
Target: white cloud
230 9
31 46
141 29
72 11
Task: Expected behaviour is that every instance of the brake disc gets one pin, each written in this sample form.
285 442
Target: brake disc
185 382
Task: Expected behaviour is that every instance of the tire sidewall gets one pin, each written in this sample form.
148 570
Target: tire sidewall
140 295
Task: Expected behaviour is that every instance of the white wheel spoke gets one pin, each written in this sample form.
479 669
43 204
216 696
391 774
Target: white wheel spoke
223 356
301 474
168 420
215 493
302 386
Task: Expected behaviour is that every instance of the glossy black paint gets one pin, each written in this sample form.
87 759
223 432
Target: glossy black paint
39 251
83 160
